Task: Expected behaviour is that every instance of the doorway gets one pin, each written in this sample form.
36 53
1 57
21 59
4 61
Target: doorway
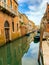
6 27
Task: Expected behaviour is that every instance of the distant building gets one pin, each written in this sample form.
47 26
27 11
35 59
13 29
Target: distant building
31 26
23 20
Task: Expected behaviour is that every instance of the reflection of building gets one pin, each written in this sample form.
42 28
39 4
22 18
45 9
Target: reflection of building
11 54
8 20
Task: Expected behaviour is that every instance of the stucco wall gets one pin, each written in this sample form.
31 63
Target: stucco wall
13 35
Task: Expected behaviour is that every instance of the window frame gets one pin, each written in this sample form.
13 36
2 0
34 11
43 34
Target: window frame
10 3
12 26
17 27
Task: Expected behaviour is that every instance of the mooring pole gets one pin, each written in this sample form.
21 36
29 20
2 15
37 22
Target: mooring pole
40 46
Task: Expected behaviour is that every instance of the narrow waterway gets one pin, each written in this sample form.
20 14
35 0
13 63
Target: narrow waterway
22 51
30 58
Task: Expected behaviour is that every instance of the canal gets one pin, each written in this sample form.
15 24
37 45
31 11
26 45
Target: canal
22 51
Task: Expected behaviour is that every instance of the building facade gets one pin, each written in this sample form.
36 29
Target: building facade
25 24
45 19
23 20
47 11
31 26
8 20
13 24
44 26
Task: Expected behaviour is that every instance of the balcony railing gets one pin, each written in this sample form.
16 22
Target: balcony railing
9 10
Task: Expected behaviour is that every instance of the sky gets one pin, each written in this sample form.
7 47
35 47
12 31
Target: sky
34 9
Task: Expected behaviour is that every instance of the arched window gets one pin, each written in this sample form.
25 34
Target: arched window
6 24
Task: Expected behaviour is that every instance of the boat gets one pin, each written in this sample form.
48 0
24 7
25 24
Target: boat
38 31
28 34
37 38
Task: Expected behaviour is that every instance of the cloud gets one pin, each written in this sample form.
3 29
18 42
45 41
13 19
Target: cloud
36 16
34 9
30 1
22 1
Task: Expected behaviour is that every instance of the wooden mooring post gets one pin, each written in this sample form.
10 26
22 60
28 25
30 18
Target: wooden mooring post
40 46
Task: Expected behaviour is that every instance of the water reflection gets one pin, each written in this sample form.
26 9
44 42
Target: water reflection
30 58
12 53
19 52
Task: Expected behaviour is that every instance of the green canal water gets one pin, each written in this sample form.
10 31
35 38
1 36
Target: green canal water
22 51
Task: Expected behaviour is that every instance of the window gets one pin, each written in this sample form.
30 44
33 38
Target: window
20 16
47 19
48 10
48 22
15 7
11 3
6 24
4 0
17 26
13 26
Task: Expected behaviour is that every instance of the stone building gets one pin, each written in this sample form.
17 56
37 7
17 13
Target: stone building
45 23
31 26
45 19
8 20
13 24
23 20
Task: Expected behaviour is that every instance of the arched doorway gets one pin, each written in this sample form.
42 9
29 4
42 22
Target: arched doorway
6 26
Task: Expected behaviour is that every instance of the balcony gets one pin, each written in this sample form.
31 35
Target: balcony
7 9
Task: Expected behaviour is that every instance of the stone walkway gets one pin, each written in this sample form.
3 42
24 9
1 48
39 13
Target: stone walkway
45 48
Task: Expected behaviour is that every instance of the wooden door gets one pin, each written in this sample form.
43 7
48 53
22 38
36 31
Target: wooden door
7 34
